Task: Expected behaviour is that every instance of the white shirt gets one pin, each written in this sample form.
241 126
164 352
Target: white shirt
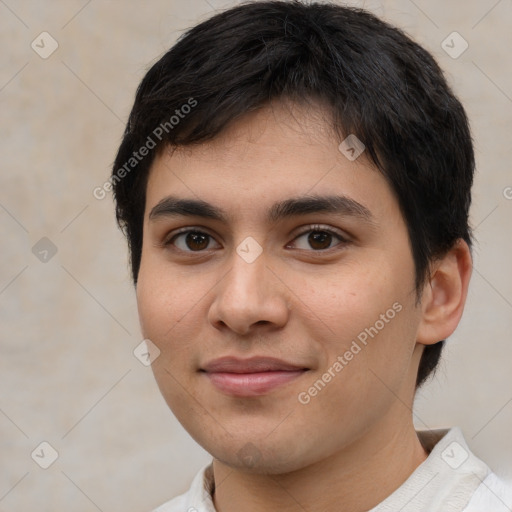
451 479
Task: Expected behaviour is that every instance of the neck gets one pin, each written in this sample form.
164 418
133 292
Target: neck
358 477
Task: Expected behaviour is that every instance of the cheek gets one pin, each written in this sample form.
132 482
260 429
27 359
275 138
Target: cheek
162 304
352 297
360 382
366 314
164 298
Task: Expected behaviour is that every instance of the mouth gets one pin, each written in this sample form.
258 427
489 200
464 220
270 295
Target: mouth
250 377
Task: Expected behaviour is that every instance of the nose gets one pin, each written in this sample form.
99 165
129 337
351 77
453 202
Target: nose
249 295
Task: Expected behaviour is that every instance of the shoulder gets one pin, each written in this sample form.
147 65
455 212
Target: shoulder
174 505
493 494
197 499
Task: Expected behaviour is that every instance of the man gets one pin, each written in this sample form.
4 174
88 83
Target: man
294 183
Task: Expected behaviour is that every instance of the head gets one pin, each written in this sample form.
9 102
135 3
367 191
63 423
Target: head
242 123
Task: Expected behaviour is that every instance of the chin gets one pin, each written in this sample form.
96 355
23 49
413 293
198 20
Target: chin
259 456
251 459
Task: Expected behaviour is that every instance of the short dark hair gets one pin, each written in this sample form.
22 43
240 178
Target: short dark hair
379 85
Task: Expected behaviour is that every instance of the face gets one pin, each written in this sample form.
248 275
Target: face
277 281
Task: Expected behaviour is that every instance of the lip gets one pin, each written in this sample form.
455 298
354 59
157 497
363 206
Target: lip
250 377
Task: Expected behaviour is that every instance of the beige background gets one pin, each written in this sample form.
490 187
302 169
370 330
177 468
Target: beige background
68 325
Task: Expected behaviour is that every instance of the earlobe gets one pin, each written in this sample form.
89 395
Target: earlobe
444 294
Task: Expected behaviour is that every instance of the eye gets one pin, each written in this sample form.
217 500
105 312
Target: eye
191 240
319 239
316 237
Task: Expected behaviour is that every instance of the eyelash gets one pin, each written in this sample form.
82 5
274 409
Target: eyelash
317 227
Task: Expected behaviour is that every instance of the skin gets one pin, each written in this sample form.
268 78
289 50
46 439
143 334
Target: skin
294 302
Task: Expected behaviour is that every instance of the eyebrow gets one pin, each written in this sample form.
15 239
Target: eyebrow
172 206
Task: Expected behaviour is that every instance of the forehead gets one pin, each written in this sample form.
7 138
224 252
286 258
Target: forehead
280 152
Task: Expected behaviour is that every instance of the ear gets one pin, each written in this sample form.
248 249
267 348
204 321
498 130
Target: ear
444 295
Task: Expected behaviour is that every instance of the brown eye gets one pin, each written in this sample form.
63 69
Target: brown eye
191 241
319 240
196 241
